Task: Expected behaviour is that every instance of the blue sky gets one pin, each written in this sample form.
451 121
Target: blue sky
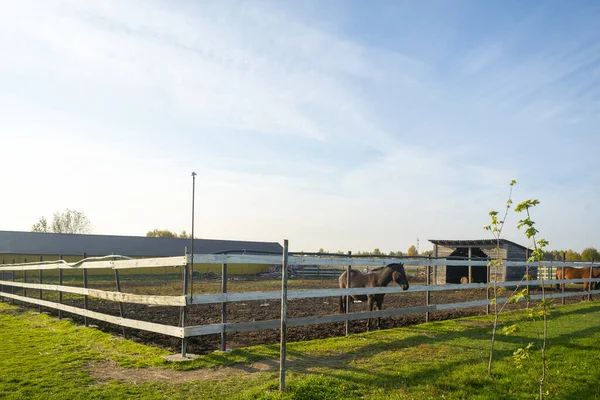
342 125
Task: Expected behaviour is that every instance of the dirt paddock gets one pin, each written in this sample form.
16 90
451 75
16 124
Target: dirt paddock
269 310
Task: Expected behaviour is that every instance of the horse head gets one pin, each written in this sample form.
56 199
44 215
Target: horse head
399 275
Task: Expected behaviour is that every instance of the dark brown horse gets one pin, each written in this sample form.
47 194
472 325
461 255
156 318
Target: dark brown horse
578 273
376 278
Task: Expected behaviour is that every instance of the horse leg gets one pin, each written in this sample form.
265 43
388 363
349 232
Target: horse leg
370 301
342 305
379 305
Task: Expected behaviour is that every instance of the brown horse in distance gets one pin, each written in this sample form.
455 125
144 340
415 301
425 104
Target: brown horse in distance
379 277
578 273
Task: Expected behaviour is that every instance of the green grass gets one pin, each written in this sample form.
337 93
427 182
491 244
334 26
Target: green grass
41 357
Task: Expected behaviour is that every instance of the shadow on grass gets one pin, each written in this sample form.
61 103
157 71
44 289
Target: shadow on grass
345 365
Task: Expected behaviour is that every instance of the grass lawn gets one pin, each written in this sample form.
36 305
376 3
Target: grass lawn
43 358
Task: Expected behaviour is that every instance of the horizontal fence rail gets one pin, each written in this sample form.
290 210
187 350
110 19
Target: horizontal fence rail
312 293
366 261
105 264
105 295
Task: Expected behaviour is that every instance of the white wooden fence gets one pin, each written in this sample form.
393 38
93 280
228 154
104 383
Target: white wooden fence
184 301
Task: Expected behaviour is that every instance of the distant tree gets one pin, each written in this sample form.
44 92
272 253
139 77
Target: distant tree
412 251
321 250
590 253
573 255
427 253
41 226
68 221
376 251
165 233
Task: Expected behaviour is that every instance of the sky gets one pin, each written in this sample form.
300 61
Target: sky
342 125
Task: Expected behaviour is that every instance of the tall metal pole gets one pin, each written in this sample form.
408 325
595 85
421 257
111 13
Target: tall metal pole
283 341
192 244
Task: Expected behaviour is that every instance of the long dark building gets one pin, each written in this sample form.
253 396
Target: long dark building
21 247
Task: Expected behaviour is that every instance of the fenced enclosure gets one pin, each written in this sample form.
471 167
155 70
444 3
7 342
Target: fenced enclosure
47 284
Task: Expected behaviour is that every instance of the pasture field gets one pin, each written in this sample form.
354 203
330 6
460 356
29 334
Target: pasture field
41 357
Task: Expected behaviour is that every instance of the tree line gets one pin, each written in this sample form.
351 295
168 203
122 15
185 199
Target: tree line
410 252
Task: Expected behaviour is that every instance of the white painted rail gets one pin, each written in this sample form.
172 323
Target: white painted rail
103 264
365 261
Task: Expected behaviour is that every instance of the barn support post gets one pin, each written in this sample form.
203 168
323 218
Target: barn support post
85 285
121 308
562 299
184 309
470 266
41 282
348 284
435 267
428 293
282 344
25 280
224 306
60 282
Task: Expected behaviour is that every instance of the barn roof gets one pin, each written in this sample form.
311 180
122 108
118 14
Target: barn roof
12 242
473 243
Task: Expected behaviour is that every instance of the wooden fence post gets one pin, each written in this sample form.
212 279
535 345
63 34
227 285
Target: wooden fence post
85 285
348 302
224 306
562 299
2 285
184 309
282 344
428 293
12 291
526 271
25 280
591 274
488 274
121 308
41 282
60 282
470 267
589 288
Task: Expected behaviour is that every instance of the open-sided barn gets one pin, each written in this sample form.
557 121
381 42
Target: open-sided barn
481 249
